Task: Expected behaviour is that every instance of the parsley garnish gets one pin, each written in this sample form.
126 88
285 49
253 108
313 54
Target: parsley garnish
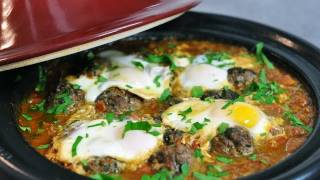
209 99
185 112
109 117
165 95
63 107
128 86
90 55
185 169
44 146
102 123
156 80
217 56
138 64
295 121
140 125
224 159
162 174
261 57
253 157
196 91
198 154
103 176
39 106
26 116
76 86
25 128
232 101
75 145
42 79
101 79
196 126
223 127
162 59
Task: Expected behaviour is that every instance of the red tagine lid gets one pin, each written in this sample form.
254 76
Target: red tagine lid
34 31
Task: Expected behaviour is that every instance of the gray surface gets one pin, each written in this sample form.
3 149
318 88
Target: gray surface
299 17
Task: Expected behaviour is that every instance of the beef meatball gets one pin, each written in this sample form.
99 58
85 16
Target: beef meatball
235 141
241 77
220 94
119 101
102 165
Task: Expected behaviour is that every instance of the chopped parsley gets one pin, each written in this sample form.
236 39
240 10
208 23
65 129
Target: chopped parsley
90 55
103 176
217 56
161 175
128 86
198 154
75 146
39 106
138 64
196 126
224 159
223 127
156 80
209 99
185 113
102 123
261 57
27 117
162 59
295 121
101 79
165 95
185 169
42 79
25 128
232 101
140 125
62 107
44 146
110 117
84 163
76 86
253 157
197 91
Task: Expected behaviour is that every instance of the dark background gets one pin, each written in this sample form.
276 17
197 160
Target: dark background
299 17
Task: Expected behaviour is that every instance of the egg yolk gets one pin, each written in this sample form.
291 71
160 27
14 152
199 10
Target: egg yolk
244 114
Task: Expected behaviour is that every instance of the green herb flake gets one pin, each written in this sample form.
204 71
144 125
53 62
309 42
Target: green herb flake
90 55
201 176
232 101
25 128
209 99
138 64
27 117
224 159
223 127
128 86
75 146
217 56
263 161
44 146
102 123
39 106
295 121
261 57
103 176
101 79
162 59
84 163
198 154
76 86
156 80
195 127
165 95
154 133
185 169
110 117
185 113
63 107
253 157
42 79
197 91
140 125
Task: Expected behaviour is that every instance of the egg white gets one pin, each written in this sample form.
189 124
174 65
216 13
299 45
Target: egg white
126 76
202 110
106 141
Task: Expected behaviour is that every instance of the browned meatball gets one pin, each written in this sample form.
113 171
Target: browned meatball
241 77
102 165
119 101
235 141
